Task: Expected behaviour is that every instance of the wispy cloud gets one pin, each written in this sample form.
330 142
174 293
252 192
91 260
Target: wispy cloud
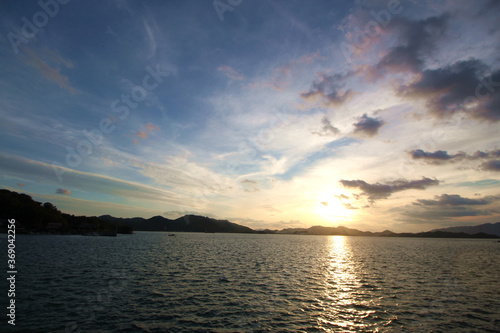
50 73
44 173
327 128
145 132
328 89
230 72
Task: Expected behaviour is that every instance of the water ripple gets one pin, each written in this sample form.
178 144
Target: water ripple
148 282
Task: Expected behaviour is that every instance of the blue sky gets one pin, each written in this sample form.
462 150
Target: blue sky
370 114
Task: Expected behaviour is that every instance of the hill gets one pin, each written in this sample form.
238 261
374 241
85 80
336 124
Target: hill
34 217
188 223
487 228
343 231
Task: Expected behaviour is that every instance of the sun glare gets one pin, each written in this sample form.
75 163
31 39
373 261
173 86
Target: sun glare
332 206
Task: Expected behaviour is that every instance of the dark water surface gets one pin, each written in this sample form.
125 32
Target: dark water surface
149 282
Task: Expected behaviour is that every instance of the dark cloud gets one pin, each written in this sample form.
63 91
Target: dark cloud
454 200
448 206
327 129
416 40
491 7
436 157
329 87
367 125
491 165
63 191
384 190
442 156
445 213
464 86
469 86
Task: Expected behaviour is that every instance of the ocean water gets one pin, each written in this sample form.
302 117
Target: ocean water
193 282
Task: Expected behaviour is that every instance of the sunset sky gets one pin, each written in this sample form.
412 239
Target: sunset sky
369 114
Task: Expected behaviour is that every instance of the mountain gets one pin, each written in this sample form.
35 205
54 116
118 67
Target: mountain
189 223
487 228
344 231
443 234
320 230
34 217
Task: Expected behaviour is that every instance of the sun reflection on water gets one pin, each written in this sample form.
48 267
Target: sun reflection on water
345 304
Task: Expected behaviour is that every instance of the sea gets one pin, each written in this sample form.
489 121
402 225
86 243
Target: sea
211 282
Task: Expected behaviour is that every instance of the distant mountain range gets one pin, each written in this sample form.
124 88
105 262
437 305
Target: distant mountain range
194 223
343 231
487 228
34 217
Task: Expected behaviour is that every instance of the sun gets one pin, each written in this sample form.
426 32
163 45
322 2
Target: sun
332 206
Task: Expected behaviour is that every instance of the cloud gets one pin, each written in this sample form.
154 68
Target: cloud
464 86
328 89
63 191
250 185
230 72
385 190
416 39
282 76
148 128
51 73
491 165
248 181
448 206
442 214
43 173
324 203
441 157
436 157
328 129
150 36
270 208
368 126
454 200
349 206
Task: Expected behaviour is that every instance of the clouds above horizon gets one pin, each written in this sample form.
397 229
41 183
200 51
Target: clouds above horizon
490 159
449 206
284 111
380 190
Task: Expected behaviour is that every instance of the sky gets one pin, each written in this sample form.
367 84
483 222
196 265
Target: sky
370 114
